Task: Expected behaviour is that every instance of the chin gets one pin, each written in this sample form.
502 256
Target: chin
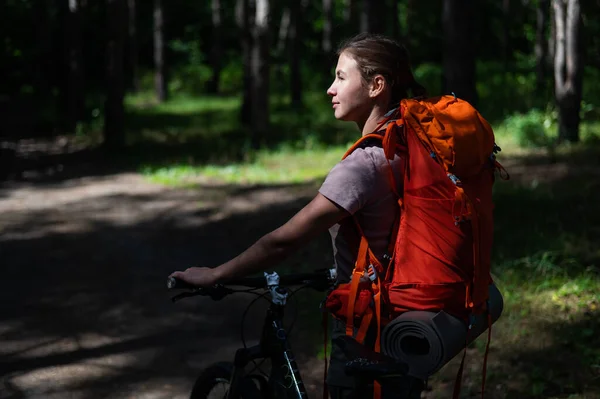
346 116
342 116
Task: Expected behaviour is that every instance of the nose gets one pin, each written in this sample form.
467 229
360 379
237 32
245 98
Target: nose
331 91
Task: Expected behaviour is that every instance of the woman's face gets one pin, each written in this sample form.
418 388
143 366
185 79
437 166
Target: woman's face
349 94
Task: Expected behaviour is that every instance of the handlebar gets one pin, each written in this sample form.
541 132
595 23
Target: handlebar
320 280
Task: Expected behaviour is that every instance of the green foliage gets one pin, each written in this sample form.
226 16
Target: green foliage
533 129
591 93
430 76
191 76
231 81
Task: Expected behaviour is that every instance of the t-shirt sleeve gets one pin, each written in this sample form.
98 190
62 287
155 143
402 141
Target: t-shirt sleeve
350 183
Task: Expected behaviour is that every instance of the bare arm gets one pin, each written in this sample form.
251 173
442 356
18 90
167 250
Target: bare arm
316 217
313 219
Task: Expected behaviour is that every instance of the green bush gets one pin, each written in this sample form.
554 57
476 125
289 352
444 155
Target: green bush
232 78
430 76
533 129
189 77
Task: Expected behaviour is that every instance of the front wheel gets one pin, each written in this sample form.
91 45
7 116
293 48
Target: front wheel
214 383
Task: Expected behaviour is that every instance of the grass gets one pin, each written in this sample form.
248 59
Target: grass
268 167
546 255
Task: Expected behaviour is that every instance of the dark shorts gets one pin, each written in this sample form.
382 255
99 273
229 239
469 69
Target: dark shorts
342 386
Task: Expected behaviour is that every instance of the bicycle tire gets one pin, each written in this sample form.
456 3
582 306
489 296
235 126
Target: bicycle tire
220 373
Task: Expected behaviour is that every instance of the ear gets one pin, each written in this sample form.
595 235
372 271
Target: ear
377 86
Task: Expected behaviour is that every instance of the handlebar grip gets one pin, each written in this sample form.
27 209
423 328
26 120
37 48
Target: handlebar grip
173 283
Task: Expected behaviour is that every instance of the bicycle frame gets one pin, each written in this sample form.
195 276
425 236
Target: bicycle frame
285 380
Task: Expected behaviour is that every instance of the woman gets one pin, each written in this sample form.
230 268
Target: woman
372 75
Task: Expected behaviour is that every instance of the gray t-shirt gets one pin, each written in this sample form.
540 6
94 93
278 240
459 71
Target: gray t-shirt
361 185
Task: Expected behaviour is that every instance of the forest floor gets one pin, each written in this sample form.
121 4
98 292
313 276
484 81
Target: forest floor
84 311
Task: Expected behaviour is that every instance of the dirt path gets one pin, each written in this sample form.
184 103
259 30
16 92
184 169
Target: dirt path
84 312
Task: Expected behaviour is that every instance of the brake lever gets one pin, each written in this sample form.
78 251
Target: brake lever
218 292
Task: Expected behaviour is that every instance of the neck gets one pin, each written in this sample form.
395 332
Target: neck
371 122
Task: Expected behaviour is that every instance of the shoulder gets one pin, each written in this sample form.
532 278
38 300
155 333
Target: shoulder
353 181
372 154
372 159
361 164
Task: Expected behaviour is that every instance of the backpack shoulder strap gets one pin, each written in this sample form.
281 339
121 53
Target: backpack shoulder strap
369 140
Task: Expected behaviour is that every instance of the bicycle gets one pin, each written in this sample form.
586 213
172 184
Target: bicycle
284 380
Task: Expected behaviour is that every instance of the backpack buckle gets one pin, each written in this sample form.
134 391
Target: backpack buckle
454 179
471 321
369 274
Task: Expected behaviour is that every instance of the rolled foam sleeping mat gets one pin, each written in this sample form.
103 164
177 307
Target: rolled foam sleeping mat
426 341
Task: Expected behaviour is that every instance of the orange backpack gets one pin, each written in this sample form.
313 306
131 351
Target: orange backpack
440 256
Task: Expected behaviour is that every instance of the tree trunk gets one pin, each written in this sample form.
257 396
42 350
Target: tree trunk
160 85
245 25
540 45
327 40
43 69
295 53
458 53
132 52
284 29
394 22
552 40
505 35
75 93
349 11
260 74
216 51
114 113
370 19
568 67
411 16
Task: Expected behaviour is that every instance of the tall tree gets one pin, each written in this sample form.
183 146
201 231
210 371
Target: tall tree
160 81
284 29
458 52
411 22
506 49
568 67
352 17
114 113
260 73
394 19
295 53
132 47
43 67
216 51
371 16
349 11
552 42
327 39
542 11
245 22
75 91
